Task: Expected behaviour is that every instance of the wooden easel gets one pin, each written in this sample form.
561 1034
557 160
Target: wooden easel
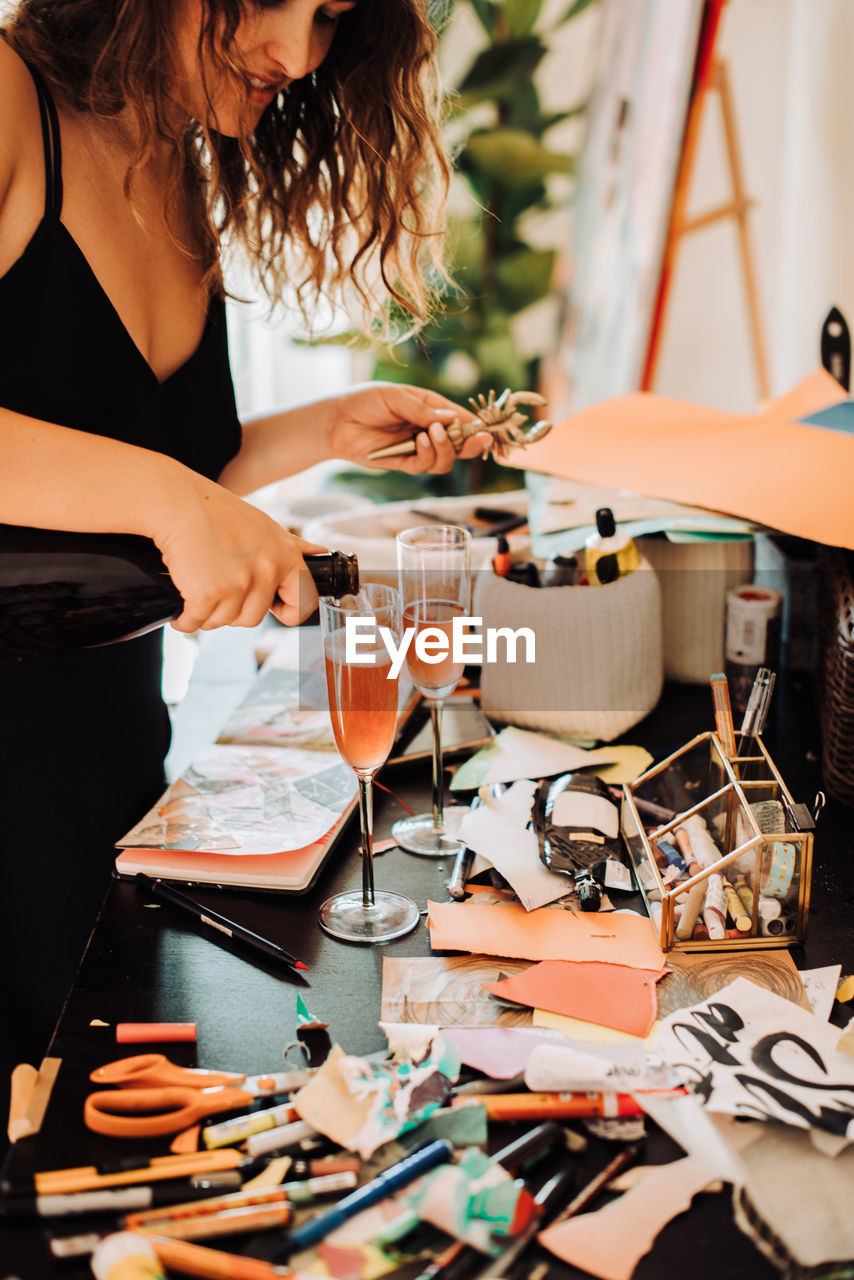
738 207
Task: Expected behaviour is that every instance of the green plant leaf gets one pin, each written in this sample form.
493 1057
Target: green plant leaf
501 70
511 157
525 277
483 10
500 363
521 15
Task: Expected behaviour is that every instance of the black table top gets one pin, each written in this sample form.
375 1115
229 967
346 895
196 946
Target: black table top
149 964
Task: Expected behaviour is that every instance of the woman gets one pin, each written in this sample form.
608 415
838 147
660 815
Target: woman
138 137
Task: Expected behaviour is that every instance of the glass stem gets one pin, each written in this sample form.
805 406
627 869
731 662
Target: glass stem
366 818
438 777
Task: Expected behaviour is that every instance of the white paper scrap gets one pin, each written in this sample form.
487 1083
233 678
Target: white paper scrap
748 1052
522 753
499 830
820 986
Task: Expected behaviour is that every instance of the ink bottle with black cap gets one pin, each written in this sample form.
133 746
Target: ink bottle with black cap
609 555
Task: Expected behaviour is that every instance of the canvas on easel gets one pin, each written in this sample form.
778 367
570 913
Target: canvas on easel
712 77
653 60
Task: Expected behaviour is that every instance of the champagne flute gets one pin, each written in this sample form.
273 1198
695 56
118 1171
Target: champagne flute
435 581
363 705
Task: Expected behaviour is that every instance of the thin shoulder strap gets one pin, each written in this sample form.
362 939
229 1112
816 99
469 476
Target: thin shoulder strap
52 145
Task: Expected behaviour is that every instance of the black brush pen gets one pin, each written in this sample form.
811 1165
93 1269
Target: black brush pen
219 923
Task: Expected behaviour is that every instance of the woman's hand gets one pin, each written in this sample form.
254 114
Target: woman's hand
233 564
377 414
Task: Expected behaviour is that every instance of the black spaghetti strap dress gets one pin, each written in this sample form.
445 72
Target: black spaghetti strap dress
82 736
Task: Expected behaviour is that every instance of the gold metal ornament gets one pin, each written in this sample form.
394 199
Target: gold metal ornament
501 416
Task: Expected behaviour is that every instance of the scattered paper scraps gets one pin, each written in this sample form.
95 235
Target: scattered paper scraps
630 764
820 986
611 994
461 1126
797 1197
579 1068
846 1040
750 1053
498 1052
693 978
448 991
593 1033
609 1242
350 1252
29 1095
518 754
588 1032
545 934
786 1191
500 829
474 1200
361 1105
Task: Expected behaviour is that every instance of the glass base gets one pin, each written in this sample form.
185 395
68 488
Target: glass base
418 835
391 916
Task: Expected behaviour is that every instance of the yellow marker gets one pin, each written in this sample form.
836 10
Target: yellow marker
723 714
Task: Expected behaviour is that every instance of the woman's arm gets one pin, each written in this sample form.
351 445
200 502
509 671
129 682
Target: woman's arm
228 559
349 426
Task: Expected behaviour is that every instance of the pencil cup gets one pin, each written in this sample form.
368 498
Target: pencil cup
598 654
720 850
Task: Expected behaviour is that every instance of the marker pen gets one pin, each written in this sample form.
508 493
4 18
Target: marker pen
304 1191
228 1132
538 1106
121 1199
389 1181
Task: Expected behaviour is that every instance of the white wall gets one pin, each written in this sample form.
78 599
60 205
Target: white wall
790 70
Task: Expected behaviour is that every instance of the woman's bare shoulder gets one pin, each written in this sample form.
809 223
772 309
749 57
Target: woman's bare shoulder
21 157
20 130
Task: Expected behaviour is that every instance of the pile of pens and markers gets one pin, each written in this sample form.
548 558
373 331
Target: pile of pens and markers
155 1213
250 1174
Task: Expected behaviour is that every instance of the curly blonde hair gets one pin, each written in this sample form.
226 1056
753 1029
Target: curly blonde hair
340 189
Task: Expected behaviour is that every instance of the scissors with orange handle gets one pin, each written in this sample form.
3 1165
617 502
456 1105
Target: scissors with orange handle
156 1097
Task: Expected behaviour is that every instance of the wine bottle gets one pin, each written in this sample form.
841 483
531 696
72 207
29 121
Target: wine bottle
61 591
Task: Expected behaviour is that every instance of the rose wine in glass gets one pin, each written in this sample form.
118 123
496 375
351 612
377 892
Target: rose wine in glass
435 581
363 706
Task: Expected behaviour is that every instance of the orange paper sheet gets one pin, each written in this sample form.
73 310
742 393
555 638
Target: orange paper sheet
544 934
764 467
612 995
611 1241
